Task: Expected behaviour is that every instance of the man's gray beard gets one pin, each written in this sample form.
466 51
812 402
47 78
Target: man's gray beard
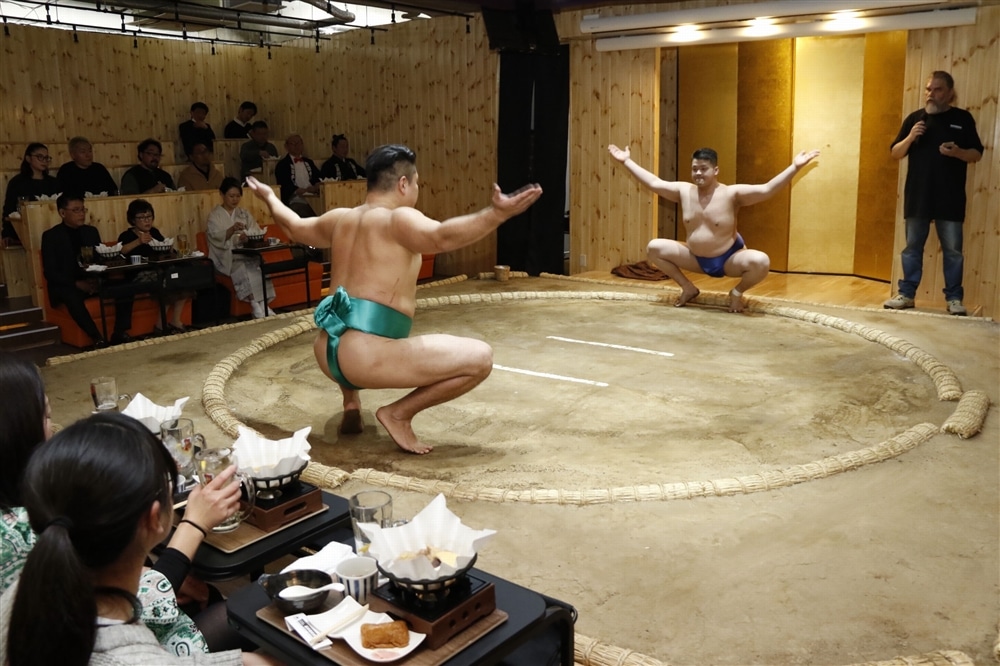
932 108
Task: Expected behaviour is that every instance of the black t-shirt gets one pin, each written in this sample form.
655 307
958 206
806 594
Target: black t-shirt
94 179
143 249
935 183
234 130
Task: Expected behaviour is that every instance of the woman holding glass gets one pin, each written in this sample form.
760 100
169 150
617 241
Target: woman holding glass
228 225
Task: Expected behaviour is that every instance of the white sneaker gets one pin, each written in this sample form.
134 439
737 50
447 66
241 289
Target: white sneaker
258 309
956 308
898 302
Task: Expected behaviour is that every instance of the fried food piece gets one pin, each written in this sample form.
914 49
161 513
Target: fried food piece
386 635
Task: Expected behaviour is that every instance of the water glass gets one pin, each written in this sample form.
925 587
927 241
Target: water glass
104 393
370 506
182 441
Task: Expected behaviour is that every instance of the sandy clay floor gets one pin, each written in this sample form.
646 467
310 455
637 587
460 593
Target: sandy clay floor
705 488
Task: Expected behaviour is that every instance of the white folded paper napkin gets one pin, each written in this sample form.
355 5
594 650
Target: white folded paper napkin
48 197
108 250
179 189
197 253
328 180
398 549
90 195
96 268
15 215
151 414
326 559
264 458
315 628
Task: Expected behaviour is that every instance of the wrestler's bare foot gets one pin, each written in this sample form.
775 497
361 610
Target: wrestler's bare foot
401 432
735 301
687 293
351 424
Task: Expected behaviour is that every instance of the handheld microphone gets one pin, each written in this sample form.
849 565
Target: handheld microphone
922 117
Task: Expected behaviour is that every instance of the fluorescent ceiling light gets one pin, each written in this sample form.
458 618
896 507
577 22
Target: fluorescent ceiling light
913 21
740 12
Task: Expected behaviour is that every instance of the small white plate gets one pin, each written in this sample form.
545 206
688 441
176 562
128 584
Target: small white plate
352 635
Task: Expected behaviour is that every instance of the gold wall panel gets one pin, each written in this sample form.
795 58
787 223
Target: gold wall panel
706 115
829 73
885 58
764 140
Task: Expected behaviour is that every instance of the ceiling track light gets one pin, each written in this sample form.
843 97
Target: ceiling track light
468 28
213 47
48 17
829 25
373 35
76 37
6 29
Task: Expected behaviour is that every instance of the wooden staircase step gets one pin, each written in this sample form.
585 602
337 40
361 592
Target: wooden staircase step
18 311
37 334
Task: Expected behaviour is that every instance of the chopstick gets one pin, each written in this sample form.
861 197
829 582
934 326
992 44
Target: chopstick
340 624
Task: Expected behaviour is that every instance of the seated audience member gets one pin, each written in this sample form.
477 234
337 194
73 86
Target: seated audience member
257 149
298 176
23 428
98 495
67 282
201 174
239 127
228 224
32 182
135 241
24 424
340 166
82 174
147 177
196 130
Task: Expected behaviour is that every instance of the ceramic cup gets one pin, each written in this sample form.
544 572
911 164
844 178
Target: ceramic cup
359 575
502 273
136 258
370 506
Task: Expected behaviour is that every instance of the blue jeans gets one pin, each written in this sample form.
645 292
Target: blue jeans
950 235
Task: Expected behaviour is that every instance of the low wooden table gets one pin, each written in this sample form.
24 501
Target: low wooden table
213 564
537 628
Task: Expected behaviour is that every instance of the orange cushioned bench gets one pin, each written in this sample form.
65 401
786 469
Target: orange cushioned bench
145 312
289 289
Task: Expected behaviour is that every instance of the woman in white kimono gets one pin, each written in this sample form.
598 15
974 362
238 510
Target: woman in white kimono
228 225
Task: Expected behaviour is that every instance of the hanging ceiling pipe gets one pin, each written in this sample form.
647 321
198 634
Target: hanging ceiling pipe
242 17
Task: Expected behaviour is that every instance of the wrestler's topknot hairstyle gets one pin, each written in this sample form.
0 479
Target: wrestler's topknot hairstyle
387 164
706 154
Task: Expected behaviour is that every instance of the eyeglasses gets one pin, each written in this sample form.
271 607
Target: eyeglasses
143 218
75 210
41 158
152 153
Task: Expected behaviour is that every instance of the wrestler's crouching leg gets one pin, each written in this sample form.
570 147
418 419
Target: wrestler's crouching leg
472 365
664 254
351 423
752 266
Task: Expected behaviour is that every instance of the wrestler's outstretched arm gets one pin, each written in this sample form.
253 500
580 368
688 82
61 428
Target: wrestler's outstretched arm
314 231
669 190
751 194
419 233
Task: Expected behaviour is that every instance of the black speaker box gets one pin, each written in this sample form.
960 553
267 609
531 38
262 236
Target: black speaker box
523 29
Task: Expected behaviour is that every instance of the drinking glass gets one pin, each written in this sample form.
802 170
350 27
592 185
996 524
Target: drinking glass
87 254
181 241
370 506
210 462
182 441
104 393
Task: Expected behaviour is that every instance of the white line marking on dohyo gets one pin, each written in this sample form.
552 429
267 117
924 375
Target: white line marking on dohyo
546 375
605 344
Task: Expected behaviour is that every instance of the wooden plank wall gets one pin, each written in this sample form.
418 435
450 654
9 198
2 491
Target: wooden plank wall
424 83
971 54
429 84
